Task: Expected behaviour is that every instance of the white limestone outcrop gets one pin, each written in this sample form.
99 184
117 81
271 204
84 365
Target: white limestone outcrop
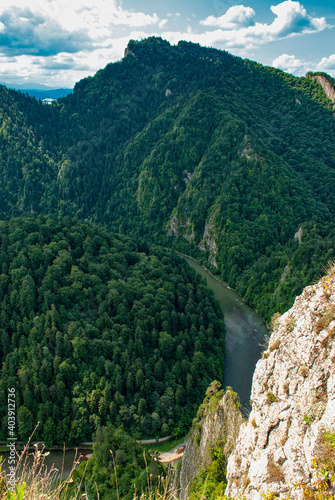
293 401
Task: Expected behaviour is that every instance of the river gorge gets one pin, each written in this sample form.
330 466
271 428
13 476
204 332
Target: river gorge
245 333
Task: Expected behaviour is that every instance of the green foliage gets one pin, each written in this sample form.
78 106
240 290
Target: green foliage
95 329
271 397
19 493
118 468
307 419
211 483
241 150
212 398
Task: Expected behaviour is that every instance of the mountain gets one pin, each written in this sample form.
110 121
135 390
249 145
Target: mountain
28 85
39 91
286 447
212 439
190 147
48 94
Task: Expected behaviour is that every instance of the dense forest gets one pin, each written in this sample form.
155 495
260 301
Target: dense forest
119 468
106 334
97 329
191 148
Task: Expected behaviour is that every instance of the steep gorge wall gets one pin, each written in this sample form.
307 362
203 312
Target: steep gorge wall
293 402
218 426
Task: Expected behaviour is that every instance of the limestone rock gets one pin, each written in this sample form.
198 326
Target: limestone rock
208 241
293 401
218 425
325 84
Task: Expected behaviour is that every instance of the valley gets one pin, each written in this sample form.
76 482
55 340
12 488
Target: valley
106 333
245 335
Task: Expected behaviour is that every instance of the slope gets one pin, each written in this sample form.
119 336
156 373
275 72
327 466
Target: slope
194 148
286 448
95 329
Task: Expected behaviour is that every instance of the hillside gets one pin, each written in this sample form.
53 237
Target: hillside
96 329
192 148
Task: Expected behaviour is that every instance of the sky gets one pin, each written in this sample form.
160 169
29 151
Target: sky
58 42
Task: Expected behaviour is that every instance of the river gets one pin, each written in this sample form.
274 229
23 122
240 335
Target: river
56 459
245 331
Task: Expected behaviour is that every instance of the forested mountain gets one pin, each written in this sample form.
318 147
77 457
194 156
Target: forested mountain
192 148
95 329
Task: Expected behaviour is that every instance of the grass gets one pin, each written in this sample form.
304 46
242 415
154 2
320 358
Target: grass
164 447
326 318
275 472
271 397
329 269
34 481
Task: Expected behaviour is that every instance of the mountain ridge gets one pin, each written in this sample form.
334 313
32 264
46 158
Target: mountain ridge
229 157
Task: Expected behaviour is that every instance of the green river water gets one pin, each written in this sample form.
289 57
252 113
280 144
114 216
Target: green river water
245 331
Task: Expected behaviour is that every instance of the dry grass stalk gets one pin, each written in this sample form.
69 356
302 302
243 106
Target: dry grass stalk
36 480
275 472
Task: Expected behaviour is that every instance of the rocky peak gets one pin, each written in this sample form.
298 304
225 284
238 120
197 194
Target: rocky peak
325 83
128 50
293 402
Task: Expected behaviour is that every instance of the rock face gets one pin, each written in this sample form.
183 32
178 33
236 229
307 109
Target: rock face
208 241
325 84
218 425
293 401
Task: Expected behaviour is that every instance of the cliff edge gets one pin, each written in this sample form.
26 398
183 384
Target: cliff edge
325 81
283 445
216 427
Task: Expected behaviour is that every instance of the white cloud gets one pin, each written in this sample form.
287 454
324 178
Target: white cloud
291 64
299 67
162 23
25 32
236 17
98 15
65 40
327 64
52 26
291 20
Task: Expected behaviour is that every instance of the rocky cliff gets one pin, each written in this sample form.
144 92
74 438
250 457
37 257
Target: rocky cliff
325 83
217 425
284 442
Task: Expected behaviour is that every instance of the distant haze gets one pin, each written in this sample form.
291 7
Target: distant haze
39 91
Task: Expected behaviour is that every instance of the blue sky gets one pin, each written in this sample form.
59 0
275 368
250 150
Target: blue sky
58 42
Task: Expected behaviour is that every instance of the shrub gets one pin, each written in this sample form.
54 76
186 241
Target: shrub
271 397
275 471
